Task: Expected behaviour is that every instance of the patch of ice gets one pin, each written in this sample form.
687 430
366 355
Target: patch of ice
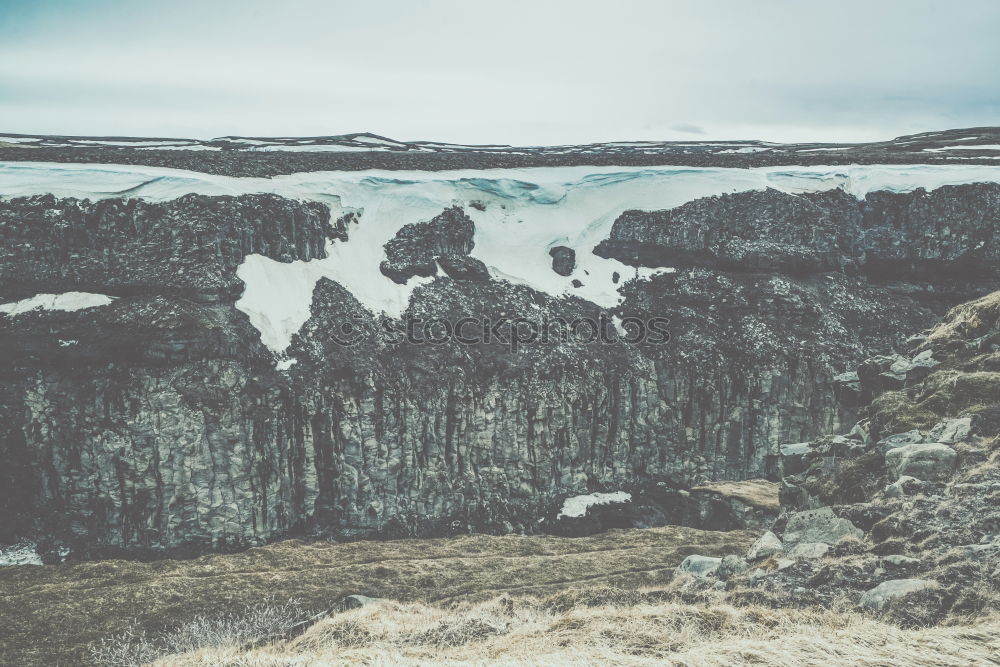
285 364
577 506
68 301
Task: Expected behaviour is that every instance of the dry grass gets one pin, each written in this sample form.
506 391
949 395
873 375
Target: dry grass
524 632
758 493
52 614
967 321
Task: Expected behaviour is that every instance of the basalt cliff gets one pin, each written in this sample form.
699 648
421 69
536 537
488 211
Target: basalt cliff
157 395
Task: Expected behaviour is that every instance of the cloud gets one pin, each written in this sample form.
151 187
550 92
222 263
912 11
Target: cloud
519 72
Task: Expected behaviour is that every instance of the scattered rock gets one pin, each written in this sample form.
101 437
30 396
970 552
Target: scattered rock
897 560
917 368
731 565
930 461
820 525
793 457
563 260
766 545
899 440
900 487
809 550
951 430
699 566
877 597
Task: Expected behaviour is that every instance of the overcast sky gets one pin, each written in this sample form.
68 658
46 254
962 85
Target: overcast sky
503 71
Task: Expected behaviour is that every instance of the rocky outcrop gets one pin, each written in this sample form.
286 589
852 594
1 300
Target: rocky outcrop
899 524
188 247
951 230
160 421
878 597
931 461
417 249
818 526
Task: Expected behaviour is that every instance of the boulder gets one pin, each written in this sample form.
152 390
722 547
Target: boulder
793 457
730 566
902 487
877 597
819 525
766 545
809 550
848 388
897 560
899 440
699 566
952 430
563 260
860 433
932 461
771 566
917 368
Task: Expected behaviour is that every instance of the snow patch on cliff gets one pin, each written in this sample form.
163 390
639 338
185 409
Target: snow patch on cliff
68 301
519 215
577 506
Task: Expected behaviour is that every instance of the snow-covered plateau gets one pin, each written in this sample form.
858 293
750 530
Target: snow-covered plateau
519 215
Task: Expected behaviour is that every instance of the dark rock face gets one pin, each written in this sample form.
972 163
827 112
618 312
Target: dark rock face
951 231
463 268
417 247
563 260
756 230
156 423
190 246
902 513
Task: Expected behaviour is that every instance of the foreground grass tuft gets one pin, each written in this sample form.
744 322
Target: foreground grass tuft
537 632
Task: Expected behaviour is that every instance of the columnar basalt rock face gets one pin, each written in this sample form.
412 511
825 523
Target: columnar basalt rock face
157 422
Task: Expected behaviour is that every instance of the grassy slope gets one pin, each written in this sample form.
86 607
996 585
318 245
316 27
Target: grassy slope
52 613
666 633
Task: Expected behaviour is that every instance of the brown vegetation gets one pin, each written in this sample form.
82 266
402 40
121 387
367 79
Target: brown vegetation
75 605
616 632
